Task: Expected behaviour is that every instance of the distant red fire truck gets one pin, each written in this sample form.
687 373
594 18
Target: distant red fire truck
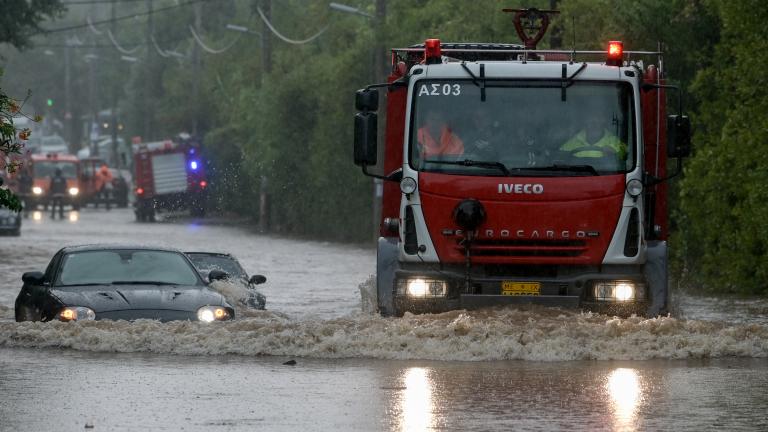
169 175
514 176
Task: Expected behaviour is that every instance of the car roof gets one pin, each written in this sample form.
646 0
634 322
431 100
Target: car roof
117 246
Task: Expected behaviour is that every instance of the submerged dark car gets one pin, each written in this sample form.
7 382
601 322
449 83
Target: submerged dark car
206 262
120 282
10 222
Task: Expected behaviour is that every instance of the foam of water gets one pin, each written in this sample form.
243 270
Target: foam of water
498 334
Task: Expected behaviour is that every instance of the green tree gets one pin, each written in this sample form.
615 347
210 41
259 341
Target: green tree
724 199
19 20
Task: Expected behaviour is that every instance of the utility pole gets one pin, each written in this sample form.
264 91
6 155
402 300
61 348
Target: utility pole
196 68
266 38
379 75
266 68
69 133
113 110
146 100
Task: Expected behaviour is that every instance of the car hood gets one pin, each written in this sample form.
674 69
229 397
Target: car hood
106 298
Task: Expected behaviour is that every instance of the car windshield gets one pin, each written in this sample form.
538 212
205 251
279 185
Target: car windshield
207 262
527 128
48 169
126 266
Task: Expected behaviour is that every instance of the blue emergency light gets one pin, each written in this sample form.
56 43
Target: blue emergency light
193 165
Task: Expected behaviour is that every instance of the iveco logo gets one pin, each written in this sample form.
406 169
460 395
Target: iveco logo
521 188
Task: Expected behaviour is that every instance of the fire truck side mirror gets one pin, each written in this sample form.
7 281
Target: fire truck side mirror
365 138
367 100
678 136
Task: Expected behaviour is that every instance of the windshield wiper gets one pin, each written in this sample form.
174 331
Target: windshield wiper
84 284
142 283
470 162
558 167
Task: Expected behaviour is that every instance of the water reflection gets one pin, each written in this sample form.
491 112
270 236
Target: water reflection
37 215
416 405
74 216
624 388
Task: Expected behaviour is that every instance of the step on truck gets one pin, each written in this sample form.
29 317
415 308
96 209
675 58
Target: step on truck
169 175
513 175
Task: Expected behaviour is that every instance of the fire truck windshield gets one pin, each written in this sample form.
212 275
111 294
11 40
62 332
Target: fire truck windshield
523 128
45 169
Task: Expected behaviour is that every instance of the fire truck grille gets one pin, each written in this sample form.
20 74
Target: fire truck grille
525 248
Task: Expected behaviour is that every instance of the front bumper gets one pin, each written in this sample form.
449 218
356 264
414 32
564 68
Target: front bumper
572 291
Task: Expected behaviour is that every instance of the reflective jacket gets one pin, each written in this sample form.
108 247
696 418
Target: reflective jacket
606 146
449 143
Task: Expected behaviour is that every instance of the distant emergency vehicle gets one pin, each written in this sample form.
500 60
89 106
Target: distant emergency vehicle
42 167
169 175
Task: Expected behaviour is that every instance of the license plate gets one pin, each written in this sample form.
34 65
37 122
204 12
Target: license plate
520 288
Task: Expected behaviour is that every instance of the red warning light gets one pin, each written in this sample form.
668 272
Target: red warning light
432 53
203 184
615 53
139 191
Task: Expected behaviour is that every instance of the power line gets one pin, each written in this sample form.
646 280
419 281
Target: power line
208 49
285 39
121 18
88 2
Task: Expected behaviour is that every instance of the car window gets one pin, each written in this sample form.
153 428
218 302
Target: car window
107 266
207 262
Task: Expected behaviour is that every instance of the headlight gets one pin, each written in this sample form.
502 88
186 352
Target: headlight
212 313
634 188
408 185
422 288
76 313
74 191
37 190
618 291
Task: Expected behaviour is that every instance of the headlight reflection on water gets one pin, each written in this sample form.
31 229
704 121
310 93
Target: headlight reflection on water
416 403
623 386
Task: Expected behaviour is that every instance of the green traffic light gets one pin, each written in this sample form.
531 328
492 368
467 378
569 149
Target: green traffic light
49 102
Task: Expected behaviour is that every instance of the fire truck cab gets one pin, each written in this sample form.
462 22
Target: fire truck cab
521 176
42 168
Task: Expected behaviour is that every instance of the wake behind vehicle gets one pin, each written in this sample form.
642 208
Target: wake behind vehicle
206 262
514 175
121 282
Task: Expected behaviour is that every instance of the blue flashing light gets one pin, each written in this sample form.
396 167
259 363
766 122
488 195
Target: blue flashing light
191 151
193 165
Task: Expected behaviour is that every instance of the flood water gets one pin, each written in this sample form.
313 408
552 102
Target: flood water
503 369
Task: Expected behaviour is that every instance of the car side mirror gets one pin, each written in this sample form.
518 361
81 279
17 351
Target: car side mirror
257 280
33 278
678 136
215 275
365 152
367 100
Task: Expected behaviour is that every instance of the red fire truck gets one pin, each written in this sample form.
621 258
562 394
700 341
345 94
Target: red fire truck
521 176
169 175
42 167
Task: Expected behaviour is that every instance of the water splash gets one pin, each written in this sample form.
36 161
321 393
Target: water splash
532 333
